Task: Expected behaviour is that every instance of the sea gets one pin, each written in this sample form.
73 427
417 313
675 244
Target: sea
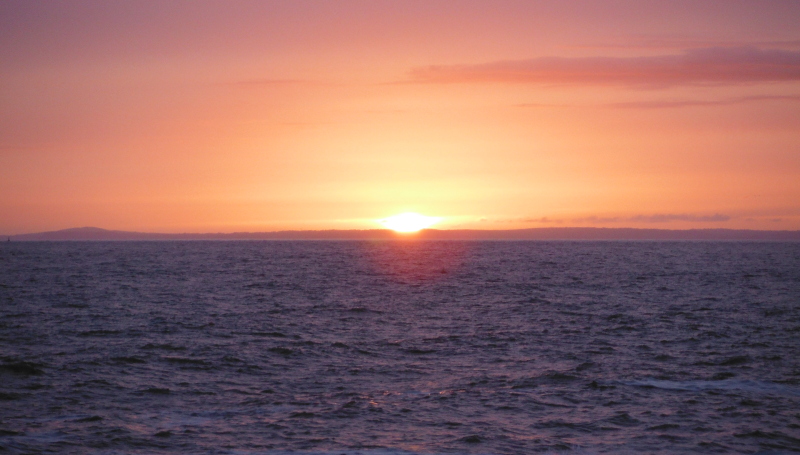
399 347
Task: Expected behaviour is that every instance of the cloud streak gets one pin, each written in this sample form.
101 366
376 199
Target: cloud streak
657 218
666 42
701 103
650 218
708 66
662 104
667 217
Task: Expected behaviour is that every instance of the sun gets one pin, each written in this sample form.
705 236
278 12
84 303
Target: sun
409 222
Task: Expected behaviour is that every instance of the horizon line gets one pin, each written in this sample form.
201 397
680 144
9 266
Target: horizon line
89 233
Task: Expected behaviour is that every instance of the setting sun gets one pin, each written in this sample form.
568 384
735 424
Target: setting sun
409 222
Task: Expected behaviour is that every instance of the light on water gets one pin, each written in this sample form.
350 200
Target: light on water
399 347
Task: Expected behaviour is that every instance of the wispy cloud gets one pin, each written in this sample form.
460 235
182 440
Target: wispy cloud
642 218
676 42
701 103
657 218
598 219
667 217
544 220
669 104
715 65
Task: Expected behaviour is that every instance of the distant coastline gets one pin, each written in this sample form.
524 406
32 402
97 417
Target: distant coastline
560 233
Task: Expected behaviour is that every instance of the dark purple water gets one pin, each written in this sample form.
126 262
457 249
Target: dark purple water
400 347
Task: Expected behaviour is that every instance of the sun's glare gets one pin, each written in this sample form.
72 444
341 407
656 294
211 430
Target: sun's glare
409 222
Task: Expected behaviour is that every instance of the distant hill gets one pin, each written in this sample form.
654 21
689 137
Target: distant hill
566 233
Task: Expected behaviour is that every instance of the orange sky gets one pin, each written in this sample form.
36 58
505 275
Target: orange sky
189 116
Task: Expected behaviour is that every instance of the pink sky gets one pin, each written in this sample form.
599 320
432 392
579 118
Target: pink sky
191 116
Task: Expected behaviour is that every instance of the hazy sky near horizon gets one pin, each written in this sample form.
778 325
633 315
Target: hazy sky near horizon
194 116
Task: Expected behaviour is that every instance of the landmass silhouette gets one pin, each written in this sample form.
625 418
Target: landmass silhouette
559 233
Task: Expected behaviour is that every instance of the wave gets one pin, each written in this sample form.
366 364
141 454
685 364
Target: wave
761 387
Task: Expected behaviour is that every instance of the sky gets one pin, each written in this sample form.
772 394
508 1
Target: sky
212 116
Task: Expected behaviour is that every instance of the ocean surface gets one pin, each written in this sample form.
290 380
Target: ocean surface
399 347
